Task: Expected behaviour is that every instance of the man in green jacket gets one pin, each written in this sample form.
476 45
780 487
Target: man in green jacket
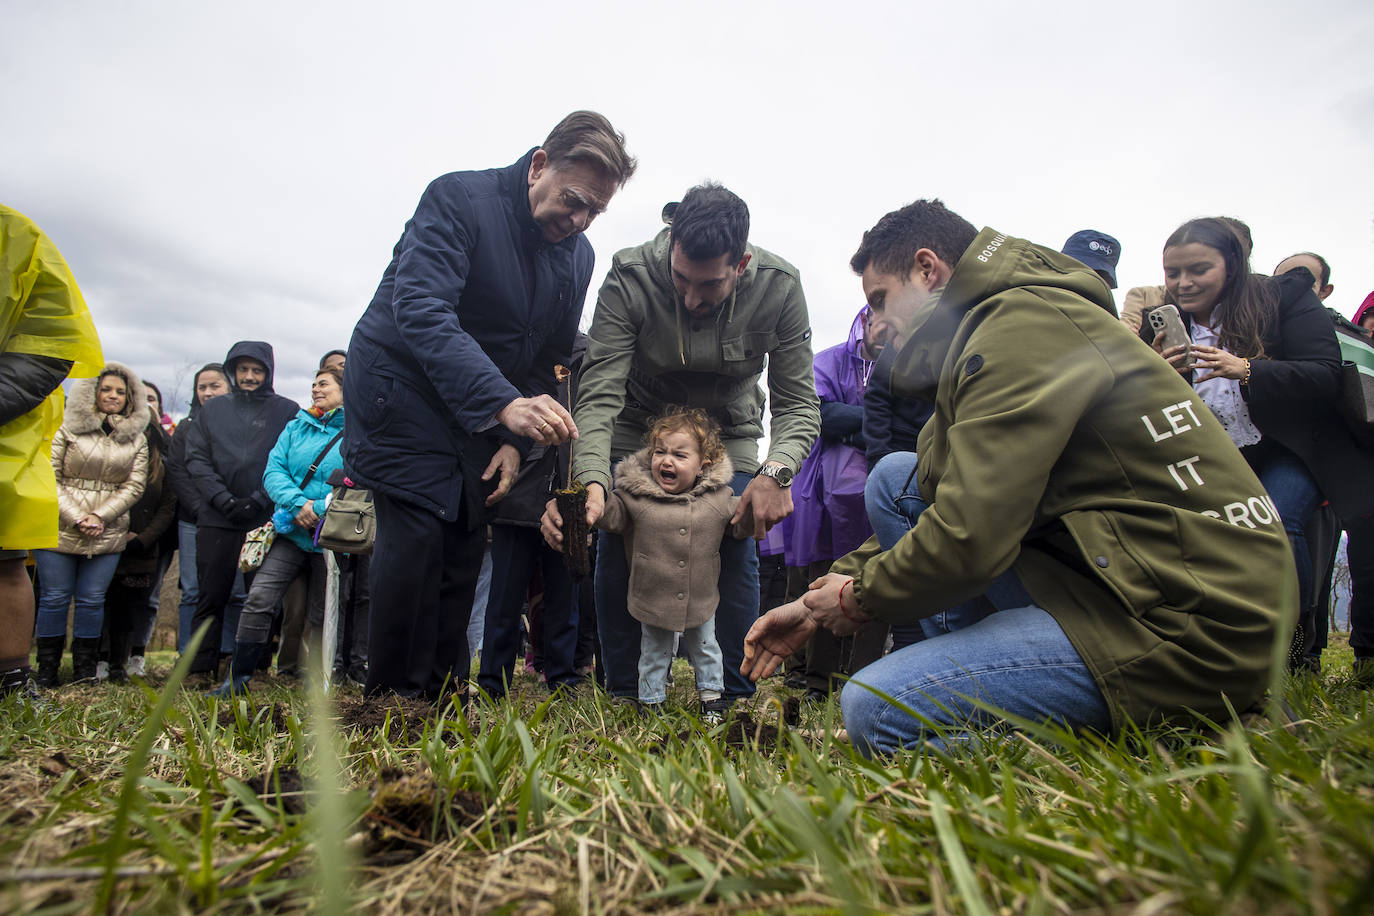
688 319
1137 569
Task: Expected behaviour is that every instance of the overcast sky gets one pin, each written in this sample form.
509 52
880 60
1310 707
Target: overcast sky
228 171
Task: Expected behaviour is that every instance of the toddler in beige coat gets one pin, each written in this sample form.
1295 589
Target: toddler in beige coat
672 504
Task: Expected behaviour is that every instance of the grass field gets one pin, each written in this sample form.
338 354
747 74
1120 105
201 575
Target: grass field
128 799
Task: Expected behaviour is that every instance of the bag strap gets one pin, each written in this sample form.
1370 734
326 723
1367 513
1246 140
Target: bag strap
315 466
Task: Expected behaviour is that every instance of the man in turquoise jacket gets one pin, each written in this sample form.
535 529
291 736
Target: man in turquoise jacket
689 318
1132 565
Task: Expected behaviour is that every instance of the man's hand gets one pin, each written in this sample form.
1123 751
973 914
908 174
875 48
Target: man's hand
774 637
306 517
505 462
765 503
540 418
551 524
823 599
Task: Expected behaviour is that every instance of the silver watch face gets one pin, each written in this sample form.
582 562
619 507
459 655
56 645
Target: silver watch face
781 474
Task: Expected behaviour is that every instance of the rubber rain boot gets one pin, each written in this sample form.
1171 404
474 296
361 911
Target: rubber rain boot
241 667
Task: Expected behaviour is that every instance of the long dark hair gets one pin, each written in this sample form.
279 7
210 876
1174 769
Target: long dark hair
1247 308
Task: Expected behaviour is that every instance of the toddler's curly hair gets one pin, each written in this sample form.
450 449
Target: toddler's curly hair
696 423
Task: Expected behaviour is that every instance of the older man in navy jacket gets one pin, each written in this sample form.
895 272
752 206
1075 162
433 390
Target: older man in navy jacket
451 378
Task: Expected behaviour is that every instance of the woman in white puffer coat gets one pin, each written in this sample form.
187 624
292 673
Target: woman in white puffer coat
100 457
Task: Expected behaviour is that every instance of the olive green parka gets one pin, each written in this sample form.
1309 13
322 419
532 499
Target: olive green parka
1063 447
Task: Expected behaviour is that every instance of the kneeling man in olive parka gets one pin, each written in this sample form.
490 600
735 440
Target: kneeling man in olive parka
1129 564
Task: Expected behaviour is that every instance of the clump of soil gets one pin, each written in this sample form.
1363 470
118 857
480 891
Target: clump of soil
743 733
282 787
408 716
572 505
791 712
406 814
278 716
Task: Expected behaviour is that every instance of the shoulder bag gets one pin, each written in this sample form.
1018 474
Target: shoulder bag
259 541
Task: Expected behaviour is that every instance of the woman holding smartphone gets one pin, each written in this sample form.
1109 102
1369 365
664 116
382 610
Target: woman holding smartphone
1264 358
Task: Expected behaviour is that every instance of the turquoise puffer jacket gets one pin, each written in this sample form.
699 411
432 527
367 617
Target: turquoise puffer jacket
298 445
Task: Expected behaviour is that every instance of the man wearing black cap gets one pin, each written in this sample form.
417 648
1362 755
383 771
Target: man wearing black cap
1099 251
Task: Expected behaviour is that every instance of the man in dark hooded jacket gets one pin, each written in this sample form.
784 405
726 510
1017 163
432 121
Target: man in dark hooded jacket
226 454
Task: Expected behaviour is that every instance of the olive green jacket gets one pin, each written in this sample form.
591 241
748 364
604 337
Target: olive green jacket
645 353
1063 447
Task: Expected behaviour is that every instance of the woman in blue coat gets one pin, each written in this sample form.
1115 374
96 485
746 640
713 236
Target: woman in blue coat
298 493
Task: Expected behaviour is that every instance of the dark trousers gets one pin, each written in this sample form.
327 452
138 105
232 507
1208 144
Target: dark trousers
516 552
423 576
125 607
588 654
217 563
1323 539
355 610
1359 551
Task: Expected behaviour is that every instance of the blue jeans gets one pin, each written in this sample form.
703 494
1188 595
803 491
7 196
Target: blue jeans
1295 495
620 633
190 592
656 657
477 626
893 503
64 576
1017 660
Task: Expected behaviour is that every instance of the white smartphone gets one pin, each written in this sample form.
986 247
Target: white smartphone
1165 320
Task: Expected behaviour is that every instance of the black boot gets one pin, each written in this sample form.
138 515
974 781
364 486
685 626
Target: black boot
49 659
85 655
240 669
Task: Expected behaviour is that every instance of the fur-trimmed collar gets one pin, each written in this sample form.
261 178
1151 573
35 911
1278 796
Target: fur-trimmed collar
634 476
81 416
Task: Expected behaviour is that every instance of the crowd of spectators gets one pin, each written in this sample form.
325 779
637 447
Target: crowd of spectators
997 487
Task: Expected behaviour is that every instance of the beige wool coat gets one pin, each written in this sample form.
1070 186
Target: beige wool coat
97 471
672 541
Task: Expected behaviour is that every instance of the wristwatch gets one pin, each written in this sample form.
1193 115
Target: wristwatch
781 474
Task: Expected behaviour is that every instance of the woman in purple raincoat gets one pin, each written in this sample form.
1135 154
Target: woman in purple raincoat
828 519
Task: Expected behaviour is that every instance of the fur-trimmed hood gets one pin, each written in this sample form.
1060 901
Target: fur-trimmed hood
82 417
634 476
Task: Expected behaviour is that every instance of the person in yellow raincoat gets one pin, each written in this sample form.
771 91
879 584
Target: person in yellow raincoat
46 334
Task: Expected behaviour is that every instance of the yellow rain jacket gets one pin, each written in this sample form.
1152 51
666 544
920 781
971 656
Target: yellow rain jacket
42 313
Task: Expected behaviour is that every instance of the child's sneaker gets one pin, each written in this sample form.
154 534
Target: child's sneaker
713 711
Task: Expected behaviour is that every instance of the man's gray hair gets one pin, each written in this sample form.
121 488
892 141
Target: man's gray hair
587 137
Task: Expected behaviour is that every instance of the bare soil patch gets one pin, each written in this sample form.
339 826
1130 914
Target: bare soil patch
407 716
406 817
282 787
